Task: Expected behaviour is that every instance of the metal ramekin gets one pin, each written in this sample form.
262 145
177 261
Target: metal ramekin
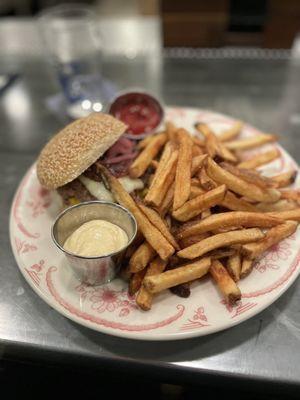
99 269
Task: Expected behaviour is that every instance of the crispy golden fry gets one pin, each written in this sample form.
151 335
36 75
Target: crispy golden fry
173 277
232 219
197 162
197 150
225 283
234 264
167 201
247 266
195 182
197 141
234 203
143 143
290 195
195 191
190 240
144 298
260 159
171 130
206 182
136 282
150 232
280 205
205 213
239 185
141 257
221 253
221 240
142 162
162 181
232 132
213 145
183 169
284 179
273 236
154 164
156 220
249 175
251 142
194 207
292 215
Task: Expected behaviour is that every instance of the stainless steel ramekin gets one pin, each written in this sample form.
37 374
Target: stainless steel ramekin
99 269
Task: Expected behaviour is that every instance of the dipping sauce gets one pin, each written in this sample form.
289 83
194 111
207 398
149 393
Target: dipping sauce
96 238
140 111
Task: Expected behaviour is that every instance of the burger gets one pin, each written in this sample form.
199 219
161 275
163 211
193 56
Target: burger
69 162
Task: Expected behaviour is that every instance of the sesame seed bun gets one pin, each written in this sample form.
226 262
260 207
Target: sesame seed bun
76 147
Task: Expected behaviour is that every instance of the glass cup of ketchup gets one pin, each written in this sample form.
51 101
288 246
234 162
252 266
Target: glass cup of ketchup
140 111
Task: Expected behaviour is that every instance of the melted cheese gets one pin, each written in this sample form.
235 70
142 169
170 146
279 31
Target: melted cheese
98 189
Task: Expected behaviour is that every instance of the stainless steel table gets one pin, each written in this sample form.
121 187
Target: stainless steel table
261 353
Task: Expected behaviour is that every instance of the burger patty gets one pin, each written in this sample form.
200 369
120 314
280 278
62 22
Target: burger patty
75 190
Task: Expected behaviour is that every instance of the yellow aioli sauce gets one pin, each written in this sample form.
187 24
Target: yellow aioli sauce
96 238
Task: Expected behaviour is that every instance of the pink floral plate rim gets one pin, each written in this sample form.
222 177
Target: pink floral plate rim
185 320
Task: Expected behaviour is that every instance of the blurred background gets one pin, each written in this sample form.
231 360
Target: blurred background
195 23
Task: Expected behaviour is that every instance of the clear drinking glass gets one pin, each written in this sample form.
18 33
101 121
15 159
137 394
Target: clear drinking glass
73 46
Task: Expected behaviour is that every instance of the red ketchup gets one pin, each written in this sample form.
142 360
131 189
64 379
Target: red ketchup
141 112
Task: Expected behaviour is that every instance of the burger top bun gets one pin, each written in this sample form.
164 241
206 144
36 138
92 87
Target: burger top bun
76 147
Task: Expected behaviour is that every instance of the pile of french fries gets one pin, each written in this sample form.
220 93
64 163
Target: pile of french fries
204 211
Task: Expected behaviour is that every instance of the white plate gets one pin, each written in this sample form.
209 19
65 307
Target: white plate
108 308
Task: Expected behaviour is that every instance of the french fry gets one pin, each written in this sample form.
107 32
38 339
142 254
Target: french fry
154 164
221 240
213 145
135 282
197 150
162 181
234 264
206 213
144 298
260 159
150 232
238 185
141 257
206 182
280 205
173 277
232 219
232 132
171 130
225 283
190 240
292 215
156 220
143 143
197 162
194 207
183 169
198 142
167 201
251 142
182 290
290 195
221 253
284 179
142 162
247 266
249 175
273 236
195 191
234 203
